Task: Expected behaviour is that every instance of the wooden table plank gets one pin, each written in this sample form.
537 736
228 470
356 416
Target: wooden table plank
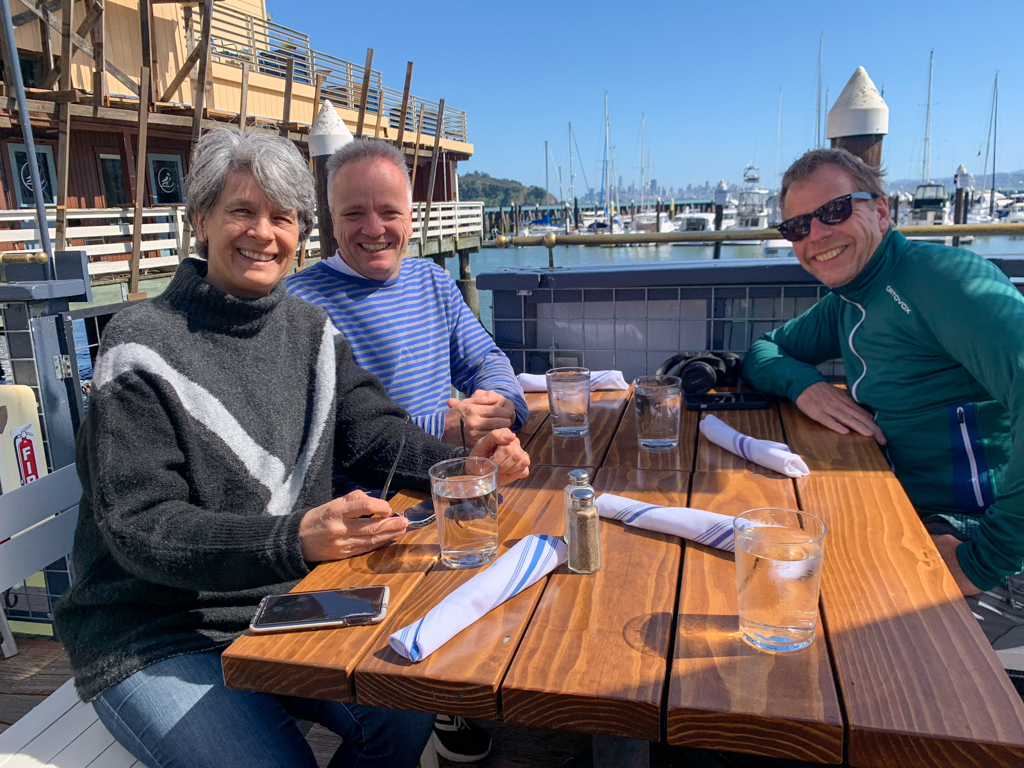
319 664
606 410
625 450
464 676
725 694
537 402
604 638
920 684
759 423
828 452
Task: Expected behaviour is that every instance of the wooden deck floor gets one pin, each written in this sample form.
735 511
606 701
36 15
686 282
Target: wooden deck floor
41 666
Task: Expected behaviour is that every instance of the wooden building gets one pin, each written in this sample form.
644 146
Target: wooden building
256 68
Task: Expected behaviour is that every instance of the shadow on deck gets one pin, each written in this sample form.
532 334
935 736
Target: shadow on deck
40 667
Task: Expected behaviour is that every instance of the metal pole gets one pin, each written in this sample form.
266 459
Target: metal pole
26 133
995 128
547 187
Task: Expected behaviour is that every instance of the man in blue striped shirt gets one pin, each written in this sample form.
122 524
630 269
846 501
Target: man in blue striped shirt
405 318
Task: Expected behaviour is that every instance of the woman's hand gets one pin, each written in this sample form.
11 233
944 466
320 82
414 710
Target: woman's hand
336 530
503 446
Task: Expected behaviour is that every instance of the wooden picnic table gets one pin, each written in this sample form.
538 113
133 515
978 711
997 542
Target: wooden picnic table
648 648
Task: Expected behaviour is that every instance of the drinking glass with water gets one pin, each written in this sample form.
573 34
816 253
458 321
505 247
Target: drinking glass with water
569 399
465 495
658 400
778 575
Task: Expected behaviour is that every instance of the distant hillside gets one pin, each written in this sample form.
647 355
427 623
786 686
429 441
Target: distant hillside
480 186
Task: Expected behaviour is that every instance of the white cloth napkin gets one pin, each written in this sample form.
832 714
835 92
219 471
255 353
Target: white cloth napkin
529 560
767 453
697 525
537 382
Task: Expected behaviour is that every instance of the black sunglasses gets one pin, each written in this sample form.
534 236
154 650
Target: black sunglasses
833 212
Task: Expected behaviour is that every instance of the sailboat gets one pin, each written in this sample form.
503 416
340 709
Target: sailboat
599 225
931 201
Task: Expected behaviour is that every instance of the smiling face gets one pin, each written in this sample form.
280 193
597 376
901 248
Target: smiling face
836 254
250 242
372 217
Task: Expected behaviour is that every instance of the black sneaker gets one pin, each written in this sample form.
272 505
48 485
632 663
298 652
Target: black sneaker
459 740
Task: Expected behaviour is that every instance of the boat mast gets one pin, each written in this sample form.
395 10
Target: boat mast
643 128
995 128
817 105
547 190
607 162
926 168
572 177
778 134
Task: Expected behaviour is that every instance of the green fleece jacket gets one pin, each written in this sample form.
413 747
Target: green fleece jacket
932 339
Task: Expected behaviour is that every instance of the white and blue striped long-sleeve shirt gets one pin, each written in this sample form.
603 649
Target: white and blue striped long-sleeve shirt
414 333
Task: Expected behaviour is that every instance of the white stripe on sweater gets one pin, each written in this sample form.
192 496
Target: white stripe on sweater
204 407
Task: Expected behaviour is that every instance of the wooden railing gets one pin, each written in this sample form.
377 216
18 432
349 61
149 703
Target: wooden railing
236 38
105 234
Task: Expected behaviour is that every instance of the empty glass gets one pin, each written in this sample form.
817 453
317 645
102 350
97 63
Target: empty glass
657 400
569 398
465 494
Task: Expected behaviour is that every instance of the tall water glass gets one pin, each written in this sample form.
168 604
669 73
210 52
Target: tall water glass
569 398
465 495
778 575
657 400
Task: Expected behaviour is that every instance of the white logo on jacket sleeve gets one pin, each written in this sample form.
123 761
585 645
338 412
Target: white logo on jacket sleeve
897 299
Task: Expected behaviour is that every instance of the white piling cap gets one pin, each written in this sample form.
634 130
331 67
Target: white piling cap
961 177
859 110
329 132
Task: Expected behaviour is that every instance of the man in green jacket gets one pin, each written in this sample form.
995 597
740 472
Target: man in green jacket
932 339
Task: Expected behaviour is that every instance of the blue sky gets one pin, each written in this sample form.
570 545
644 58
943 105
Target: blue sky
707 75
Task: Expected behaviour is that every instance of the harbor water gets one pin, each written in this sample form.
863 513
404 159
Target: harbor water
496 259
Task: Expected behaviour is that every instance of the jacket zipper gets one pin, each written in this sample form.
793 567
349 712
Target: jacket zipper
864 316
975 481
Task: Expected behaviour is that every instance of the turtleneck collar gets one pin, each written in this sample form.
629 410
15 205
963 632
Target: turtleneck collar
876 270
209 308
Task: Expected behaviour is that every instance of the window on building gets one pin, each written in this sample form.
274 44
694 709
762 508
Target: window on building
167 179
23 174
113 179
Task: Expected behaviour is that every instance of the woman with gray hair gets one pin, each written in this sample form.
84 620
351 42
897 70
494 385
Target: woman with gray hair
216 413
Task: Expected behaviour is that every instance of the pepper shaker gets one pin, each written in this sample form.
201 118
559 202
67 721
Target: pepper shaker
578 478
584 532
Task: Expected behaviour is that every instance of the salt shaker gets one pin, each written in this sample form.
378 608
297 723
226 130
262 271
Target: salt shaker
584 532
578 478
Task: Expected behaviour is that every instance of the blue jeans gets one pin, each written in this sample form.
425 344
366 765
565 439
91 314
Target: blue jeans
178 713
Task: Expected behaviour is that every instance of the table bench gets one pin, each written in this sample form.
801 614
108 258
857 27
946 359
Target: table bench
648 648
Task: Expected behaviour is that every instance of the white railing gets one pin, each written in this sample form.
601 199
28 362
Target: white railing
105 234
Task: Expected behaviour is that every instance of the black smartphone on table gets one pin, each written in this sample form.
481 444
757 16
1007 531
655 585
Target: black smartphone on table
726 401
319 610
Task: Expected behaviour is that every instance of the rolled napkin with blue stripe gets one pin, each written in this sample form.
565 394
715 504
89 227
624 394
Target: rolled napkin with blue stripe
699 525
537 382
767 453
529 560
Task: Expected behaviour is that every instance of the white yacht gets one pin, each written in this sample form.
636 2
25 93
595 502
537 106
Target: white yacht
694 222
930 205
649 221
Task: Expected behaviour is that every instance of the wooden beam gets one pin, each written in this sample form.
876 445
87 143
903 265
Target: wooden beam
129 156
289 84
8 89
145 28
46 44
186 69
85 48
197 116
433 170
99 76
365 93
83 29
317 92
380 105
416 148
59 97
405 105
243 103
26 18
64 128
140 186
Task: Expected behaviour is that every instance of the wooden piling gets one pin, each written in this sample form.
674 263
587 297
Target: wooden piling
243 102
718 226
424 225
365 93
140 188
405 106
